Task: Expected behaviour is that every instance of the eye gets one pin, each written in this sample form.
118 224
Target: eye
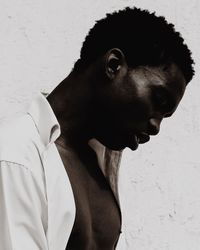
162 100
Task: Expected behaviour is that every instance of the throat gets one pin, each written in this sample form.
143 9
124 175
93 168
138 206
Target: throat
74 140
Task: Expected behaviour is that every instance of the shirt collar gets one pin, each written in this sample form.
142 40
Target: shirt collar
49 130
44 119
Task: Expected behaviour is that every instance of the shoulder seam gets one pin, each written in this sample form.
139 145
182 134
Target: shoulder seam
15 163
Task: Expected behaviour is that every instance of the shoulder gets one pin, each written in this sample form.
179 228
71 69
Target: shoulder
20 141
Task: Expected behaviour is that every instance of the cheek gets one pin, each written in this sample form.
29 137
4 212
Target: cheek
124 108
138 111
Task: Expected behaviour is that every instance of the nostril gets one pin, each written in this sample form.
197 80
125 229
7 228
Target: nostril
154 126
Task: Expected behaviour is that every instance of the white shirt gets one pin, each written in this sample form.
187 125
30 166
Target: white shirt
37 208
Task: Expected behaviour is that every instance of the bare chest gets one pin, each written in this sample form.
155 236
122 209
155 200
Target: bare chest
98 220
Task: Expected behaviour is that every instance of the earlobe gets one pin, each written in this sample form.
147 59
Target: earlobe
114 62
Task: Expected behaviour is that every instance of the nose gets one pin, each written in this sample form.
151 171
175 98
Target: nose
154 126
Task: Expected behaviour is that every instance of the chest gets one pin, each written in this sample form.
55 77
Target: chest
98 221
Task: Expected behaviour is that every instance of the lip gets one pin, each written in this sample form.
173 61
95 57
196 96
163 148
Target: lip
135 139
143 137
133 142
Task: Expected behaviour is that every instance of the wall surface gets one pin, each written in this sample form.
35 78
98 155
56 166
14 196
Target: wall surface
160 182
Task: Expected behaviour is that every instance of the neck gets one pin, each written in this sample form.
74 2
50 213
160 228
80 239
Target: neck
72 104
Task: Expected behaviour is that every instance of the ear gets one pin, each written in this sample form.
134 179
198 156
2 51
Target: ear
114 62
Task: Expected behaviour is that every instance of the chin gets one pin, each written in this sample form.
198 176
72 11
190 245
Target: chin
133 148
118 142
120 148
112 145
115 147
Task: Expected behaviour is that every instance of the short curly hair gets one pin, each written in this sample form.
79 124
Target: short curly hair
144 38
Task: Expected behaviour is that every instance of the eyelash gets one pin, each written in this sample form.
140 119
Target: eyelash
161 100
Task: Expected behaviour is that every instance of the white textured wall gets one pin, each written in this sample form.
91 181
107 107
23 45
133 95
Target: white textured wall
39 42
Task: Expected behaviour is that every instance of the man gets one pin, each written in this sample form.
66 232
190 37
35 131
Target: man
59 162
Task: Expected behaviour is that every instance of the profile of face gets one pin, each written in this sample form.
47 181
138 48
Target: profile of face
134 102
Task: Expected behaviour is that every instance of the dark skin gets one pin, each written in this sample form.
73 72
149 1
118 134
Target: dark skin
98 221
121 107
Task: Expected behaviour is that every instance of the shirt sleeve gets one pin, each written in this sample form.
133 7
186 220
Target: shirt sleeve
23 209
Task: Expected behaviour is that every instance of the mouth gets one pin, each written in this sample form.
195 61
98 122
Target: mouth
136 139
143 138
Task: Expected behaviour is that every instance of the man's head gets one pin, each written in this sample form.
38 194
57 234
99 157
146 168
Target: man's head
144 39
145 67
